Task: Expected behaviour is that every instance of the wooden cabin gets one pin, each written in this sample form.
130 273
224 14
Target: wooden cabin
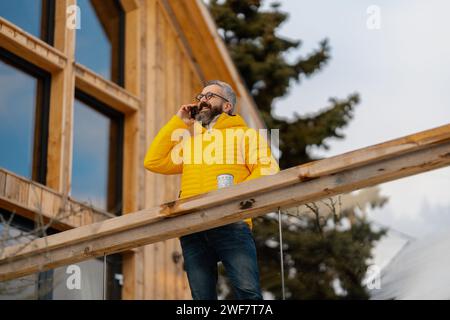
85 85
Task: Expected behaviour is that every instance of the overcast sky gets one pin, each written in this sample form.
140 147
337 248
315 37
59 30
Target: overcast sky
402 73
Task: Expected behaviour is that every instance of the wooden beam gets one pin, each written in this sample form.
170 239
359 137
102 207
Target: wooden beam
306 183
61 106
105 91
129 5
30 48
133 172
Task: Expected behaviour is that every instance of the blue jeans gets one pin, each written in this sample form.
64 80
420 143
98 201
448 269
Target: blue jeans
232 244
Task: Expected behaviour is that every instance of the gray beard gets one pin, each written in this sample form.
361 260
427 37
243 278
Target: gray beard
206 117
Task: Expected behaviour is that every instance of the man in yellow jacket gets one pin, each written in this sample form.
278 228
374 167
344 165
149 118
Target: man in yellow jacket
214 142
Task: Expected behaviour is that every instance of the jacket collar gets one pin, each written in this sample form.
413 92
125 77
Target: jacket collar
226 121
213 122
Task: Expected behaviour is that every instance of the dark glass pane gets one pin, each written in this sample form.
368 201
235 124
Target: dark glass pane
89 286
90 283
96 158
17 110
99 44
23 288
33 16
90 155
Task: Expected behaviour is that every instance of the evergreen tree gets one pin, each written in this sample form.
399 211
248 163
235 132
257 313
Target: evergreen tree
317 257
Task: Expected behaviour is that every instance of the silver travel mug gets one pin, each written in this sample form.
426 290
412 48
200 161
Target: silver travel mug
224 180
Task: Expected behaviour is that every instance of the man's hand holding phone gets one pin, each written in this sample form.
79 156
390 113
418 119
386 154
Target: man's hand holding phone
187 113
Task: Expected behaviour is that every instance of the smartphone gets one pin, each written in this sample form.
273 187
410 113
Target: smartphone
193 111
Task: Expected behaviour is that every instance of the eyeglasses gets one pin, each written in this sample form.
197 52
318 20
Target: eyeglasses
208 96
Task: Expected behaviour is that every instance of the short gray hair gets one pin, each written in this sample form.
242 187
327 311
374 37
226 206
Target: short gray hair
227 90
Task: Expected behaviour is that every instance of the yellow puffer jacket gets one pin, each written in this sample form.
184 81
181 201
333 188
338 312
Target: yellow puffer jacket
205 154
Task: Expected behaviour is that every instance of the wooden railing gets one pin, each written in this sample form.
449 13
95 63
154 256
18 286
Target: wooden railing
302 184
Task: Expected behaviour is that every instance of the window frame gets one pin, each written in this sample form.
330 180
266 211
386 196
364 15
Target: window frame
50 16
46 22
121 47
122 42
41 112
119 117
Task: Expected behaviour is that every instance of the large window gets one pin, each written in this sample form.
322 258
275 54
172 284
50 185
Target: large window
100 39
34 16
24 103
16 230
97 154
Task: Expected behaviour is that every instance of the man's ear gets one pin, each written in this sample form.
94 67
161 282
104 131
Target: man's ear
227 107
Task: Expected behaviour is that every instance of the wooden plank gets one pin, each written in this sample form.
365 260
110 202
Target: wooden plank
129 276
28 47
58 134
47 203
131 163
105 91
245 200
134 264
23 193
139 278
159 117
61 105
147 198
58 208
74 210
11 188
162 184
196 84
171 94
129 5
2 183
133 52
82 217
178 100
35 197
89 217
183 291
160 272
16 189
149 272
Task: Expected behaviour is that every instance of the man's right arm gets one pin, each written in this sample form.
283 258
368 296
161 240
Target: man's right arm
159 158
159 155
